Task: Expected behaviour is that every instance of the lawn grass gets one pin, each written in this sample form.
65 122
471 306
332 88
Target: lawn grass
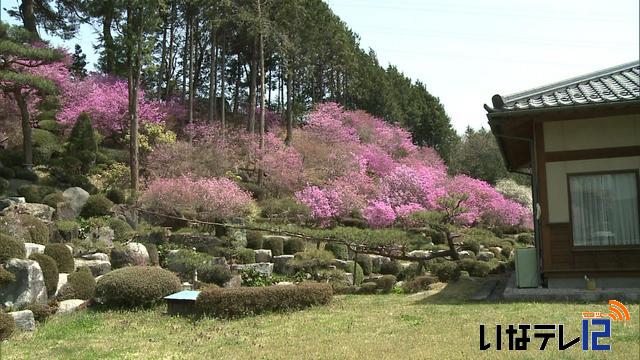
435 325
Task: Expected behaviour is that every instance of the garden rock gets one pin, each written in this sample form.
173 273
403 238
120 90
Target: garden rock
31 248
76 197
102 234
485 256
96 256
64 211
70 306
40 211
6 202
217 261
281 264
263 268
349 277
62 280
24 320
420 253
135 254
234 282
341 264
378 260
263 255
97 267
284 283
29 286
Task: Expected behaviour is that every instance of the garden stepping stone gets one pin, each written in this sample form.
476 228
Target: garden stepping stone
31 248
24 320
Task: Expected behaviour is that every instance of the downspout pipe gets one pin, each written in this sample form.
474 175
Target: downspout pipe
534 193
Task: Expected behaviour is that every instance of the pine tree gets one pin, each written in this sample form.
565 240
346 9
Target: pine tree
79 63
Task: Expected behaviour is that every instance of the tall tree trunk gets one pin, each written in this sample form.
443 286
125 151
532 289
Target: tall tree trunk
191 56
169 73
223 85
236 94
262 96
163 55
109 45
269 87
28 17
280 90
185 61
289 138
27 143
133 76
252 87
212 78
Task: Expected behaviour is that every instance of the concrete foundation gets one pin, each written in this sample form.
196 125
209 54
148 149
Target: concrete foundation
600 282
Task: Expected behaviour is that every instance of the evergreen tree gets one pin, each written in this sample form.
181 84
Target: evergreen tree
79 63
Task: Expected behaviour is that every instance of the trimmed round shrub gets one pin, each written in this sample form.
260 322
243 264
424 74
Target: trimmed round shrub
474 267
41 312
62 255
7 325
506 250
154 256
34 193
24 174
49 271
471 245
293 246
254 239
246 301
6 277
386 282
136 286
4 186
368 288
53 199
245 256
10 248
45 144
82 137
214 274
311 261
38 231
12 157
445 271
275 244
80 285
365 262
391 268
417 284
68 229
7 173
116 196
526 239
121 229
409 272
436 237
340 251
184 262
97 205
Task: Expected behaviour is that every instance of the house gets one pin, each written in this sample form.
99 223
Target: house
579 140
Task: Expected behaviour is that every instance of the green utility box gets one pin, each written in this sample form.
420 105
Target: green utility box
527 268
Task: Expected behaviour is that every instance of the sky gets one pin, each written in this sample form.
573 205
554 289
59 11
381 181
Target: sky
466 51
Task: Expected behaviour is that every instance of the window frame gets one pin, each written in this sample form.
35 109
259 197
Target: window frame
574 247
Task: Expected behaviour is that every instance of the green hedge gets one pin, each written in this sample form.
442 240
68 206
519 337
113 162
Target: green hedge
417 284
368 288
68 229
34 193
136 286
214 274
6 277
10 248
49 271
122 231
391 268
245 301
386 282
254 239
311 261
41 312
80 285
53 199
7 325
245 256
7 173
445 271
38 231
62 255
293 246
275 244
365 262
475 267
116 196
24 174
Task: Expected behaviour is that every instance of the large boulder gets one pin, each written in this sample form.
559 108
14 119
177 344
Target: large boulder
12 200
263 268
29 286
75 197
97 267
70 306
31 248
263 255
96 256
234 282
420 253
132 254
466 254
485 256
281 264
103 234
378 260
24 320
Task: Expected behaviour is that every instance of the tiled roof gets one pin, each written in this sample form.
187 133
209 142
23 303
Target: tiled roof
617 84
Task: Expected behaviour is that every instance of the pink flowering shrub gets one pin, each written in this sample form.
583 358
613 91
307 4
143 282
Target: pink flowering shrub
379 214
205 199
323 204
282 166
106 99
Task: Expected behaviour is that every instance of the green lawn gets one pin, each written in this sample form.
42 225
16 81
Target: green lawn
428 326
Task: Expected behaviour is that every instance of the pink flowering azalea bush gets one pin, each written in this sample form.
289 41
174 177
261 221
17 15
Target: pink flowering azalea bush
205 199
